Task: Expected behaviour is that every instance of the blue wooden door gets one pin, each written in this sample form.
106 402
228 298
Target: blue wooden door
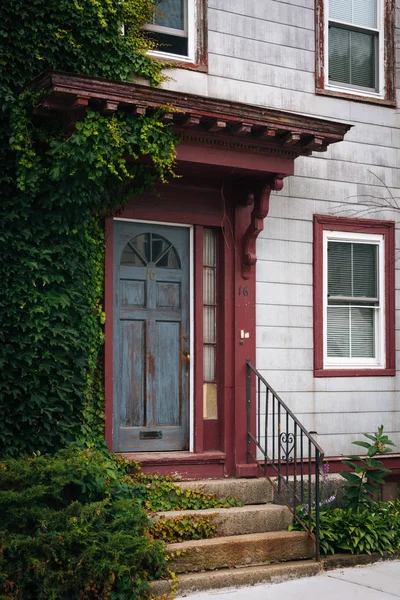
151 339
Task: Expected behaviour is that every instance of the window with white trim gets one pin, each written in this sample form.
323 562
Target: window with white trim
355 49
355 44
173 28
354 300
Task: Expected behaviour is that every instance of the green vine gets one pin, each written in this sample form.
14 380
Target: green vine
182 528
56 189
163 494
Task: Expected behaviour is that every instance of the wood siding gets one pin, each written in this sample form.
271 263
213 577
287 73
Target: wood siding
262 53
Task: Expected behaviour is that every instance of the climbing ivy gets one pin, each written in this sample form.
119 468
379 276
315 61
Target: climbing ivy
56 188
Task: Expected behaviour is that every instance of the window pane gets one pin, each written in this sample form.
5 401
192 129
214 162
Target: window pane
362 332
209 286
209 324
362 64
338 333
339 55
351 57
163 254
129 257
209 363
358 12
364 13
339 269
170 43
170 13
340 10
365 270
352 270
142 244
209 248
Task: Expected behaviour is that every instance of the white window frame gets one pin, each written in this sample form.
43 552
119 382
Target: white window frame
189 32
379 362
379 92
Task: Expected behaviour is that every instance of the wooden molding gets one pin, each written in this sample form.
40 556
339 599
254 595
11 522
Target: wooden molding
265 129
259 196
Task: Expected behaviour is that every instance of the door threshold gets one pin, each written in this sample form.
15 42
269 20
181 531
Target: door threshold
178 458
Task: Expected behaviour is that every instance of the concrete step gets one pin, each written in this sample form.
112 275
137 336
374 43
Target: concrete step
252 518
250 491
240 551
243 576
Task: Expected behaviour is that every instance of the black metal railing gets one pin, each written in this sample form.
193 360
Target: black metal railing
289 456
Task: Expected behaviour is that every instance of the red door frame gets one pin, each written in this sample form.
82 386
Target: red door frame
220 448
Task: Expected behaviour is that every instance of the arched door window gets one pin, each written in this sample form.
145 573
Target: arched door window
150 249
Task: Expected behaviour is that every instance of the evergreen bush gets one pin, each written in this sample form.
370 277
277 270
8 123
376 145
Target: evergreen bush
72 528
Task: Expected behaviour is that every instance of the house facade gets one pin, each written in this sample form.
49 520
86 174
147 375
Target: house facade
277 243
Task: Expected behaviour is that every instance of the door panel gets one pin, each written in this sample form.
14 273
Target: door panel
167 373
151 324
132 335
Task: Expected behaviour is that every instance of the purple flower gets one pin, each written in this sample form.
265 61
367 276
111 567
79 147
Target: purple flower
326 469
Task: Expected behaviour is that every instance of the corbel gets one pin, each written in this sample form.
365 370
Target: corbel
139 110
80 103
258 195
190 121
108 107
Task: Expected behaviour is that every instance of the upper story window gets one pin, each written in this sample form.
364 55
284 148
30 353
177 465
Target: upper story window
355 41
179 28
170 26
355 44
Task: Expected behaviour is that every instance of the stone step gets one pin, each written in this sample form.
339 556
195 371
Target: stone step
243 576
240 551
250 491
251 518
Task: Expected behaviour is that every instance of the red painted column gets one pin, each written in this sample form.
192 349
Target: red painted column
244 338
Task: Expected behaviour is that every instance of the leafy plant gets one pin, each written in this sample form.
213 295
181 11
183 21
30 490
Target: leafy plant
56 187
162 493
179 529
73 528
368 473
359 531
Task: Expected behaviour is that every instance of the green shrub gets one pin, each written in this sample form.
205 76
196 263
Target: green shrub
72 528
368 473
376 529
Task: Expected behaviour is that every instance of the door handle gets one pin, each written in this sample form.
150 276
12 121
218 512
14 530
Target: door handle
186 354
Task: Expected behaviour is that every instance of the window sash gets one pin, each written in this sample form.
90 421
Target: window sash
360 82
346 343
353 58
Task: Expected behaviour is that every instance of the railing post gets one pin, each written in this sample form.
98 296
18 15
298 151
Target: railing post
248 404
317 504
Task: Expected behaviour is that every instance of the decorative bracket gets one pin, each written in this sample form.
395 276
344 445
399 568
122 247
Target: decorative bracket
259 197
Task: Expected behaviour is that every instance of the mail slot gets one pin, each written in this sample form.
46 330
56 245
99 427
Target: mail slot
150 435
